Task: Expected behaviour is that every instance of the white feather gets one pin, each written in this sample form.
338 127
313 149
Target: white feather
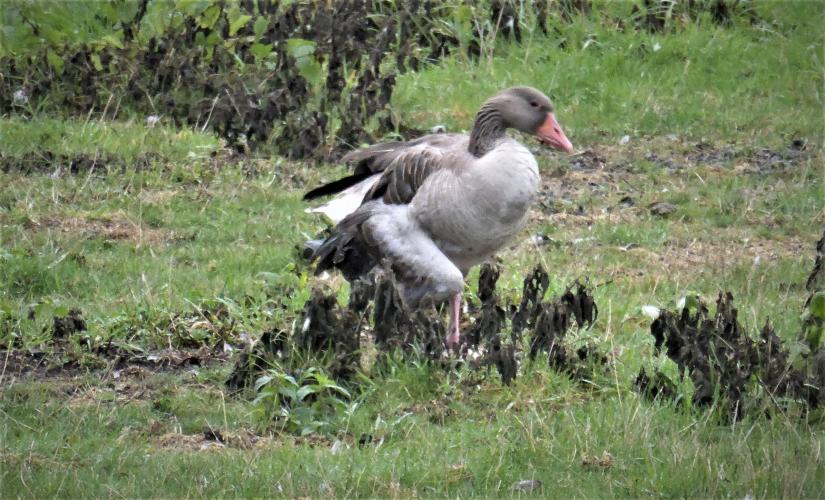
650 311
345 202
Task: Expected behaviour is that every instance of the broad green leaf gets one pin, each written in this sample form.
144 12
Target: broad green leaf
238 23
288 392
310 70
817 305
692 300
305 391
156 20
213 39
300 48
260 51
115 39
262 381
814 335
191 7
107 11
210 17
260 26
797 354
463 14
55 61
323 380
126 11
96 62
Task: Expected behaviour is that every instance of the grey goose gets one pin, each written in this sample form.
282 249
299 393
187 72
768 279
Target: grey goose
432 208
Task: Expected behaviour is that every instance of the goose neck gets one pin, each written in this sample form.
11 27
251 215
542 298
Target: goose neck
488 128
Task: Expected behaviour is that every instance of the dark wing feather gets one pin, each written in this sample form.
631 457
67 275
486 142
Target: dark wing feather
405 174
404 168
347 249
336 186
380 157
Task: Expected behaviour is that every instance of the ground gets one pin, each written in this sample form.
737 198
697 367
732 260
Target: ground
699 170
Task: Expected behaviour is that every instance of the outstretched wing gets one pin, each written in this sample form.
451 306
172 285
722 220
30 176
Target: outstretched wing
405 172
380 158
397 172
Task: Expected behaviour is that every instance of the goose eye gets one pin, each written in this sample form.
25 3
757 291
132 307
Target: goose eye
534 104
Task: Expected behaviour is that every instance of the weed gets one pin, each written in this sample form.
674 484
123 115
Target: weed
304 403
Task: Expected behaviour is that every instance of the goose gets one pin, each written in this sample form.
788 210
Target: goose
430 209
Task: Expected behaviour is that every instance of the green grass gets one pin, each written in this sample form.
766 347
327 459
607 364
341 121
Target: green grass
127 141
705 81
146 253
479 443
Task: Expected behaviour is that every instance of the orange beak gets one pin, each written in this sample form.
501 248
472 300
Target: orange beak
550 133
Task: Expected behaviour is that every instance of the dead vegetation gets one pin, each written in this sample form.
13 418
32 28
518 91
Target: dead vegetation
212 440
336 332
728 367
116 227
309 78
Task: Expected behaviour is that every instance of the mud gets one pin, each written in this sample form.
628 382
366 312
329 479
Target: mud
762 161
587 160
662 208
62 359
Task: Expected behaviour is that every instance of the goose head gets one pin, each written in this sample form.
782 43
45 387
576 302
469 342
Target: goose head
530 111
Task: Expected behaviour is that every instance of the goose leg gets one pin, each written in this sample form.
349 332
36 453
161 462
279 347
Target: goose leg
453 336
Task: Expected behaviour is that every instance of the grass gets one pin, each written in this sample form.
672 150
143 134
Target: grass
544 427
147 253
763 82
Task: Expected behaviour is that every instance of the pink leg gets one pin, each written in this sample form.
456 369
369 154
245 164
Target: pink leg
453 336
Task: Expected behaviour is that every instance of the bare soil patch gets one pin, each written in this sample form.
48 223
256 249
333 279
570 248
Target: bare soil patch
210 440
113 362
117 227
729 250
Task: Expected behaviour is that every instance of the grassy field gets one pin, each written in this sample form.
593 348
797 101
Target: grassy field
151 230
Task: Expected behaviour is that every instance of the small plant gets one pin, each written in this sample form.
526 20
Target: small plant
302 404
813 321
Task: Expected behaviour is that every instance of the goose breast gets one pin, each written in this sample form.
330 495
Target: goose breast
472 212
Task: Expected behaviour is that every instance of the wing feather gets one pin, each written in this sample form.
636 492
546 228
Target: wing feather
379 158
404 175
